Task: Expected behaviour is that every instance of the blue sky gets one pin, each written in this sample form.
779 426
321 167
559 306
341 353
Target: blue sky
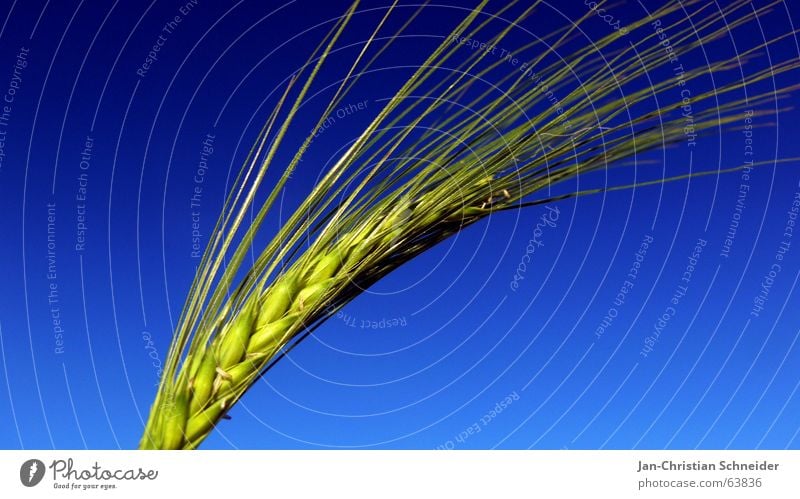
442 353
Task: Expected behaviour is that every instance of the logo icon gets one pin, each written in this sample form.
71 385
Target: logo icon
31 472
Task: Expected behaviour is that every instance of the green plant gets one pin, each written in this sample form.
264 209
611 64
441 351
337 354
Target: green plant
371 212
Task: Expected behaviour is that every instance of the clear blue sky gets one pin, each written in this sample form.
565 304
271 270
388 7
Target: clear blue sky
103 150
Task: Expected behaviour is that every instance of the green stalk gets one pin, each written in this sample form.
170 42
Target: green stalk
500 149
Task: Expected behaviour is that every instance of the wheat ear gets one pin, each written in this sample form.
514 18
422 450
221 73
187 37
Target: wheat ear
400 188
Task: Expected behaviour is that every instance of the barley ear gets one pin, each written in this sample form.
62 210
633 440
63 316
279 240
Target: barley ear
174 422
309 295
371 212
237 374
234 340
276 302
201 424
269 336
203 382
326 266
